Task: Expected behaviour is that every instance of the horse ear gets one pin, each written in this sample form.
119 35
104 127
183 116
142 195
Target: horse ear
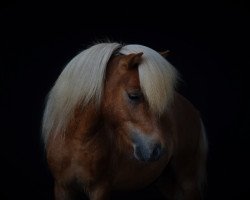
165 53
133 60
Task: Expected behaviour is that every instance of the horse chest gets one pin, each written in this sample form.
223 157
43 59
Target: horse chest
125 174
135 175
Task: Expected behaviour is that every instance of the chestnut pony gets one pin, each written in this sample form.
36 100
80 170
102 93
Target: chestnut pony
114 121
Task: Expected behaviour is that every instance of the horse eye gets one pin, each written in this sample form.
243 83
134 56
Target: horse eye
135 96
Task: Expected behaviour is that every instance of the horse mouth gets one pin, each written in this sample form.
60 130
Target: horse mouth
148 154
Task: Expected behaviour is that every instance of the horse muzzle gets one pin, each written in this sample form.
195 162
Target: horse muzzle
145 148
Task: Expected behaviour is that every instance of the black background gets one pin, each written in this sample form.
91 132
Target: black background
209 46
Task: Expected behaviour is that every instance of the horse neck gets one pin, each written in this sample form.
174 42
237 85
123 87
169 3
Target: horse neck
85 124
89 126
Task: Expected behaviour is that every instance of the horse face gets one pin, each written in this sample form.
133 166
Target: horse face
126 108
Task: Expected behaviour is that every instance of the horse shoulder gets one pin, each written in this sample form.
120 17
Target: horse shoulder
186 124
184 174
79 152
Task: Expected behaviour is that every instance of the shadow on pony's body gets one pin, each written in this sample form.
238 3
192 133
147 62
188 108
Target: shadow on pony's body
114 121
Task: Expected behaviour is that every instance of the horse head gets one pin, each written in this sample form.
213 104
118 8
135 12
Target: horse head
127 109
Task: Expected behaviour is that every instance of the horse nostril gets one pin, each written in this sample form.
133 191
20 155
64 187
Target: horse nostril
156 152
139 154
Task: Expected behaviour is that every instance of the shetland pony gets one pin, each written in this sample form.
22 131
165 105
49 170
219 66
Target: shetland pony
114 121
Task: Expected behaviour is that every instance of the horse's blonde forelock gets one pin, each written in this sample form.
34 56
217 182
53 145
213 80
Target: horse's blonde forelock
80 82
157 76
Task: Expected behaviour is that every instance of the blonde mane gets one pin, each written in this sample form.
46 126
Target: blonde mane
82 81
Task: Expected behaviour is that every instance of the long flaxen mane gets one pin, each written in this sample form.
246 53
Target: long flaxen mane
82 82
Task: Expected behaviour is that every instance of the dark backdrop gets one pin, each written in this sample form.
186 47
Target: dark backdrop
209 45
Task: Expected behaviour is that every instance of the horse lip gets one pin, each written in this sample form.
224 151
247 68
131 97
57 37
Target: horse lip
147 156
146 147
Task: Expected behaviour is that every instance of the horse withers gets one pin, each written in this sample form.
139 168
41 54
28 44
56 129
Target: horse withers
114 121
